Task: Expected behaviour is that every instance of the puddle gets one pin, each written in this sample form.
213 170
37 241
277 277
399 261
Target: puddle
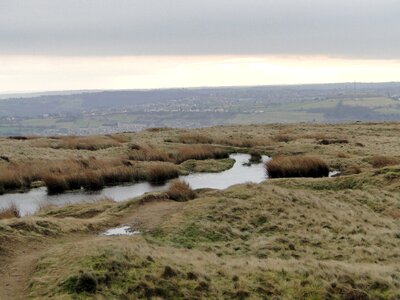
124 230
334 173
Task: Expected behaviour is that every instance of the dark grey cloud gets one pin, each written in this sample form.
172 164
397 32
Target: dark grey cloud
350 28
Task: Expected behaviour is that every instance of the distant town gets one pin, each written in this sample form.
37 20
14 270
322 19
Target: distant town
103 112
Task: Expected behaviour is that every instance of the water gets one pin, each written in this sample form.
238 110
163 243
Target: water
334 173
124 230
30 202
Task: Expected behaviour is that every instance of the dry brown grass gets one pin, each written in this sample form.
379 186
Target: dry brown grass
91 143
296 166
231 140
380 161
199 152
342 155
352 169
70 174
194 138
56 184
160 172
119 137
180 191
10 180
282 138
147 153
9 212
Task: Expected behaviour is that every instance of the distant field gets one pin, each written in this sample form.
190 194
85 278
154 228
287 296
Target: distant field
122 111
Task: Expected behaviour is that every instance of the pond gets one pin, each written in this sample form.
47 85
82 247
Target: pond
31 201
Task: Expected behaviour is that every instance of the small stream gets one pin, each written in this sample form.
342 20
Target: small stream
30 202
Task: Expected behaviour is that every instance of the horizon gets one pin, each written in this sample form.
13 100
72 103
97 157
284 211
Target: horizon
78 91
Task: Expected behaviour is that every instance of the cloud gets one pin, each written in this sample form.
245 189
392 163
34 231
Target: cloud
342 28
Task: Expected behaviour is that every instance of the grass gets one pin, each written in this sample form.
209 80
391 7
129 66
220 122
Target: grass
236 141
296 166
69 163
208 165
147 153
91 143
55 184
199 152
380 161
277 239
161 172
286 238
255 156
180 191
11 211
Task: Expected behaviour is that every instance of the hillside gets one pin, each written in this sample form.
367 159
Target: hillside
100 112
288 238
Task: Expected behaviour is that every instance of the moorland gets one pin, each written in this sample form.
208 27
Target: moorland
285 238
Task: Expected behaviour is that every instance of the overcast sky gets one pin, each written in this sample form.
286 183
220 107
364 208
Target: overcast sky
58 30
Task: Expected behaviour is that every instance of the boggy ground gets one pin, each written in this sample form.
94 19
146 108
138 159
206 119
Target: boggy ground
329 238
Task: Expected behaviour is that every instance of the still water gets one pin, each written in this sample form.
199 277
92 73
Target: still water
31 201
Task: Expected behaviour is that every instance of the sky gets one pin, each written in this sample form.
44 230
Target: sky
124 44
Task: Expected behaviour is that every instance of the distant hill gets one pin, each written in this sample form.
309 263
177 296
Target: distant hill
88 112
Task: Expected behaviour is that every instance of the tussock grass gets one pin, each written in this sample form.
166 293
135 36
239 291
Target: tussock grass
161 172
255 156
10 179
9 212
199 152
352 169
147 153
180 190
380 161
93 181
56 184
296 166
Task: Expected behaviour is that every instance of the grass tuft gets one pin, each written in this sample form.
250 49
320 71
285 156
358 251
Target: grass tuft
296 166
9 212
199 152
180 191
56 184
159 173
380 161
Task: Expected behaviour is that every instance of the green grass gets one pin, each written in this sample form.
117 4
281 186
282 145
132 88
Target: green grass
209 165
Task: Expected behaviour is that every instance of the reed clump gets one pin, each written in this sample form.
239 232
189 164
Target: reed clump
147 153
56 184
199 152
180 190
255 156
161 172
296 166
